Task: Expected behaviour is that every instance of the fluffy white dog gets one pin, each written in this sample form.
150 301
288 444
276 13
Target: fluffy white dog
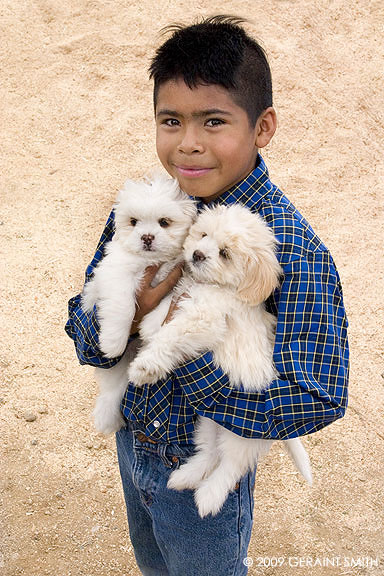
231 270
152 220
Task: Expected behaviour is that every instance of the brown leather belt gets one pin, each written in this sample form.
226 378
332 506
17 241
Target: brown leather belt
143 438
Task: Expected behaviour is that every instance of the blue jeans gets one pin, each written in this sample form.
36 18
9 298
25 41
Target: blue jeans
168 536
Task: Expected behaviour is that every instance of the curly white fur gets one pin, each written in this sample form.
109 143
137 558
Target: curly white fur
152 220
231 271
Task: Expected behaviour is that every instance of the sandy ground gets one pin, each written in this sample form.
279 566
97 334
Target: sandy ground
76 121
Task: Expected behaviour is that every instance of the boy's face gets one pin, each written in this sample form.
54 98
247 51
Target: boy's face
203 138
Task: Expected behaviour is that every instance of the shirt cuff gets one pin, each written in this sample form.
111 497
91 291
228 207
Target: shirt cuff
203 382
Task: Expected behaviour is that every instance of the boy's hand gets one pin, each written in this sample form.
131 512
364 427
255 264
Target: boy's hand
149 297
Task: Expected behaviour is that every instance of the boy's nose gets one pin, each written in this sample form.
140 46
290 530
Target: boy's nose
190 142
147 239
198 256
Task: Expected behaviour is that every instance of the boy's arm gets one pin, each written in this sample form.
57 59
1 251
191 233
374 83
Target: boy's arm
83 327
311 356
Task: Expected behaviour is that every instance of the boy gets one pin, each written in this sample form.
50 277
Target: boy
213 110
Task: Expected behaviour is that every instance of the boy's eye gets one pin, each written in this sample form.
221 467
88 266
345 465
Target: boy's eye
171 122
133 221
164 223
214 122
224 253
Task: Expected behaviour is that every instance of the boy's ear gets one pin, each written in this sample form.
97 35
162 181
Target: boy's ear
265 128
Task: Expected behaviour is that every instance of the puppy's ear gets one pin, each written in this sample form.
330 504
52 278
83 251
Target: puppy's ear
118 206
261 277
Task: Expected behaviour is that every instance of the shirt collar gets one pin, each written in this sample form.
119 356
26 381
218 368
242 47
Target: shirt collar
248 191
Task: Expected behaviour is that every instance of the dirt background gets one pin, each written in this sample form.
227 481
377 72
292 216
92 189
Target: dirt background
76 121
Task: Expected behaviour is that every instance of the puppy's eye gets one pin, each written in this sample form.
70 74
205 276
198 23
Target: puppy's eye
133 221
203 234
224 253
164 223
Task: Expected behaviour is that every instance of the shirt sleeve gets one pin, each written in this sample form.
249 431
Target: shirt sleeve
83 327
311 356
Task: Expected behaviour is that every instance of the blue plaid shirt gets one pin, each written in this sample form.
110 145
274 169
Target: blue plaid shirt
311 347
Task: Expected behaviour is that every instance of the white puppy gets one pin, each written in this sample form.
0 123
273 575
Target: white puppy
151 222
231 270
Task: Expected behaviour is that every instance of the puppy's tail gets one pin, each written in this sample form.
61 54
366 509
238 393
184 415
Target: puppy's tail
300 457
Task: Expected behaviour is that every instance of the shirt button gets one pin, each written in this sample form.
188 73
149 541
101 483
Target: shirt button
156 423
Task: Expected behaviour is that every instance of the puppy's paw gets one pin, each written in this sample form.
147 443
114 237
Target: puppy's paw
137 376
182 479
107 417
144 371
209 499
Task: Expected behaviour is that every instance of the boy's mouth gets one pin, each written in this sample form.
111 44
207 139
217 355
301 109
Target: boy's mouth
192 171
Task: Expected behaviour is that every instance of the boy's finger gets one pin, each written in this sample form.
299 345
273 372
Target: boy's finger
168 283
174 306
149 275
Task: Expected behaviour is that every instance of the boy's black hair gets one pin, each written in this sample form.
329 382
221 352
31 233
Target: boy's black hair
216 50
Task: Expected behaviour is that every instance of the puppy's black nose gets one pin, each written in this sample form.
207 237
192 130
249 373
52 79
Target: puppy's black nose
147 239
198 256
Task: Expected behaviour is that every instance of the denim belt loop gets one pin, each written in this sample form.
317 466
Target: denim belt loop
162 451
